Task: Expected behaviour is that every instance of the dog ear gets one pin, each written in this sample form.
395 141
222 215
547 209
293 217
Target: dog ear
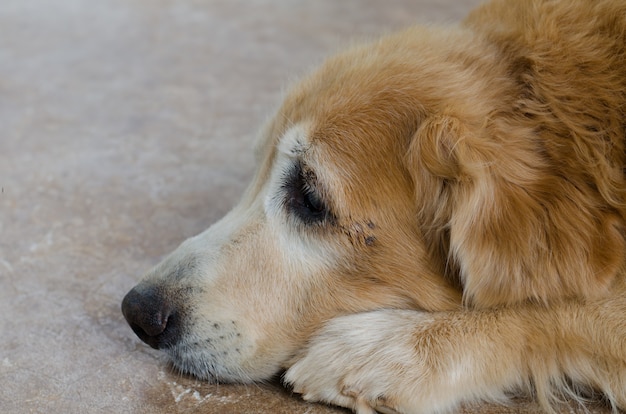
495 209
434 164
443 159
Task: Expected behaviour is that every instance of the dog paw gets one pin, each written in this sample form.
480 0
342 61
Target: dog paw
360 362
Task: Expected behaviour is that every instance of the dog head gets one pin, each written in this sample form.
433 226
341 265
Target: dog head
331 224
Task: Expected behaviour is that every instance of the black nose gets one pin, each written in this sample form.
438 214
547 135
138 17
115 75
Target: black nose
151 317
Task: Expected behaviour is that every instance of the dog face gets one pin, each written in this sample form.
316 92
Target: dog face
328 226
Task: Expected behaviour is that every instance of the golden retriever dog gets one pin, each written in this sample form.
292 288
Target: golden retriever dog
437 217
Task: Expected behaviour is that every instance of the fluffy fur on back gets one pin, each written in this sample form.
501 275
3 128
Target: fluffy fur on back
555 145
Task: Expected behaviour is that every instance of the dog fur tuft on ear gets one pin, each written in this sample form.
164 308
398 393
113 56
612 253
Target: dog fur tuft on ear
434 145
449 149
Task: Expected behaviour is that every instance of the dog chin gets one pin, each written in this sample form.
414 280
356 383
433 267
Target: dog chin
220 360
207 365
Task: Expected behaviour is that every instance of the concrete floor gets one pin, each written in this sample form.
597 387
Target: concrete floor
125 127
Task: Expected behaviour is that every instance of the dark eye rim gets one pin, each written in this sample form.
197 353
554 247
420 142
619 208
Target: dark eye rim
303 198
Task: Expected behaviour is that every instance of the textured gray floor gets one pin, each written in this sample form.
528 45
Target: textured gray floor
125 127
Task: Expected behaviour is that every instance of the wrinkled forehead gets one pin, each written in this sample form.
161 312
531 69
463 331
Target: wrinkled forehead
350 123
358 167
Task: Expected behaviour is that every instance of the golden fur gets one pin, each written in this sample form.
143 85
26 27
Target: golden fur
437 217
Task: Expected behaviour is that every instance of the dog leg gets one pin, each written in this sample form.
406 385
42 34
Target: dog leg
594 342
409 362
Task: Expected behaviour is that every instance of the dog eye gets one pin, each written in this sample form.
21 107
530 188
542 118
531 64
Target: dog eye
312 202
303 199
